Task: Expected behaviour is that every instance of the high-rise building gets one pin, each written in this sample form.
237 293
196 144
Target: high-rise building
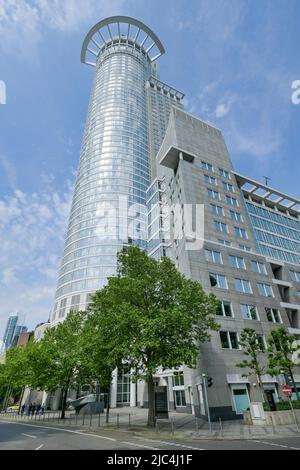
140 148
244 250
127 117
12 330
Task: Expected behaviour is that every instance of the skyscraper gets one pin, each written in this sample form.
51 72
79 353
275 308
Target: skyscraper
127 118
12 329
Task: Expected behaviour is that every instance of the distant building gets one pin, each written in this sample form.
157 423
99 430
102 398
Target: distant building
40 330
12 330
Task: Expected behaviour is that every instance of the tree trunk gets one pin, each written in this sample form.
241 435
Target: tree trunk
151 403
64 402
261 388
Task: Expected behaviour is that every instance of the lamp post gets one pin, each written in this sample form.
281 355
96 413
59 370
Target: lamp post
206 400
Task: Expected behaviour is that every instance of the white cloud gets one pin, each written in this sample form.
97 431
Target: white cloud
32 231
23 22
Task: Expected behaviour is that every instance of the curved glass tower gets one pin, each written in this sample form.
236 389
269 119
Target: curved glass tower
108 209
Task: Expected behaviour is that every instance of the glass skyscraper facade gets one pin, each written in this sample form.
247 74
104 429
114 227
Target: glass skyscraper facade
126 121
12 330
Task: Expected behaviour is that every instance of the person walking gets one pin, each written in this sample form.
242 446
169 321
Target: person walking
23 409
33 409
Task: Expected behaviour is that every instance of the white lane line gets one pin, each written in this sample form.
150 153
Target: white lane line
275 445
63 429
28 435
39 447
139 445
175 444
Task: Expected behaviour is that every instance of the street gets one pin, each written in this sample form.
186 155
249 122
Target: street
21 436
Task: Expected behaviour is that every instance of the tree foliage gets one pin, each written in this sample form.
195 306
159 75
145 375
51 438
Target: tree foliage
252 350
283 354
150 316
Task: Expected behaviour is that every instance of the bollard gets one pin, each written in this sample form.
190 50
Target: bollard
118 424
272 422
172 427
129 423
99 420
197 426
83 419
91 418
76 417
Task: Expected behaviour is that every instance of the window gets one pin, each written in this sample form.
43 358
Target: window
241 233
210 179
273 315
217 209
224 173
224 242
295 276
213 194
228 186
207 166
249 312
229 340
75 303
243 285
179 396
237 262
258 267
213 256
218 280
265 289
225 309
232 201
220 226
62 308
261 342
244 248
236 216
178 379
123 386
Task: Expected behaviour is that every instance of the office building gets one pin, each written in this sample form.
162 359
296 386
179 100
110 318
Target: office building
12 330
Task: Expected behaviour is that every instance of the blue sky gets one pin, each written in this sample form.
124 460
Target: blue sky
234 59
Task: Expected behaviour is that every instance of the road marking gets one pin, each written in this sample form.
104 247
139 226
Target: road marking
170 443
39 447
274 444
62 429
139 445
28 435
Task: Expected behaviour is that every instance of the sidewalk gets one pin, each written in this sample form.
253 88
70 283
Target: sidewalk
179 425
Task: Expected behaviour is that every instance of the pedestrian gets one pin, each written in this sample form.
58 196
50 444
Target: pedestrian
38 409
23 409
29 409
33 409
42 411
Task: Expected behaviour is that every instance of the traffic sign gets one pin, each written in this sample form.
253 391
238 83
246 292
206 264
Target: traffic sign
286 390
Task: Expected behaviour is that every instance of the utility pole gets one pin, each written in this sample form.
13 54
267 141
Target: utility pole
206 400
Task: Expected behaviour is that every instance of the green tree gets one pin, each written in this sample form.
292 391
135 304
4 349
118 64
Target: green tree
149 316
16 371
283 354
251 347
57 361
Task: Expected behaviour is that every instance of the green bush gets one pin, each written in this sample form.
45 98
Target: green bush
283 405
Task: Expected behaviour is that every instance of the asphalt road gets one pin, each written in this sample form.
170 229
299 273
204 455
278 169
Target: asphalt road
16 436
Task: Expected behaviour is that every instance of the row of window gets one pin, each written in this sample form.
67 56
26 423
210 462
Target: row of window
219 210
209 167
249 312
223 228
241 285
236 262
230 340
277 241
276 253
216 195
275 228
268 214
213 181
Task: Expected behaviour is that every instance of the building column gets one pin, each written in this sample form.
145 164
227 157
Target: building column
132 393
113 389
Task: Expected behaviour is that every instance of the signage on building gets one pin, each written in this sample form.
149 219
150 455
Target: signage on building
286 391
